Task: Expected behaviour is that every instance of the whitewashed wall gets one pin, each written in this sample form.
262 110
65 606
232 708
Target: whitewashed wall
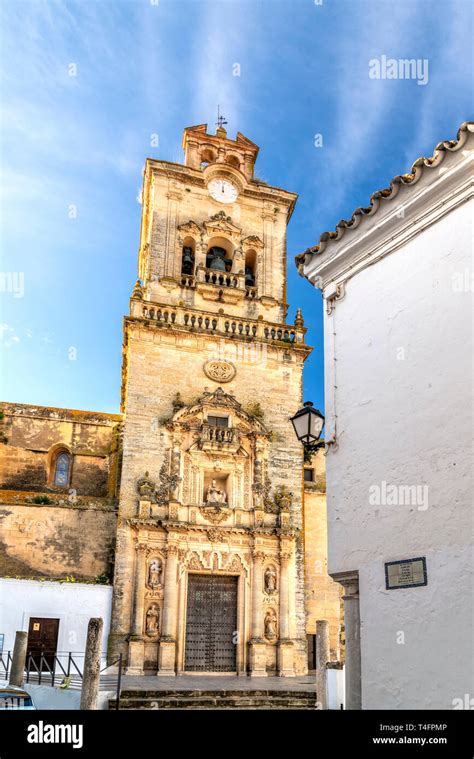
404 416
72 603
398 296
336 688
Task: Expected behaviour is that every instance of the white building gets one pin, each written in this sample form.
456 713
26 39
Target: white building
397 284
68 608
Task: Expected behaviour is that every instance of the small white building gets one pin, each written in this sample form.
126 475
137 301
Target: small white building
397 285
54 614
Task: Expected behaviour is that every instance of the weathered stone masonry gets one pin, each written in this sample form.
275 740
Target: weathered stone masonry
192 498
48 530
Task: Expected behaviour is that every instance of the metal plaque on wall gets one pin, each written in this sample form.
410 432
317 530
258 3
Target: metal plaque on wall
406 573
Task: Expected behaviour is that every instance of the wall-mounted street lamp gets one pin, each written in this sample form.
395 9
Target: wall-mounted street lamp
308 424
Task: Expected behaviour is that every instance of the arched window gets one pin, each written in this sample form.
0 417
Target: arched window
219 254
207 156
250 268
232 160
187 256
62 469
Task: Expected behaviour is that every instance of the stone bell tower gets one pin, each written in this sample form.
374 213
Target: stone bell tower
209 557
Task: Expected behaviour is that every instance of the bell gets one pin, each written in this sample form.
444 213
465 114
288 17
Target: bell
187 266
217 256
249 278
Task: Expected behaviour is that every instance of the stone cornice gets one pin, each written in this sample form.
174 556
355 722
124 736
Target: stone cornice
73 416
186 527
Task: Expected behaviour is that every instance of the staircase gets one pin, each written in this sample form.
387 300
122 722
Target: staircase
216 699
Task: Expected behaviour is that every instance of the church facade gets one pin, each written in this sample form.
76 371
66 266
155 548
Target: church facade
211 490
203 473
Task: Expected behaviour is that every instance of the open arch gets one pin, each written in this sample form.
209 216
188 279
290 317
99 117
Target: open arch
207 156
233 160
250 268
220 254
188 256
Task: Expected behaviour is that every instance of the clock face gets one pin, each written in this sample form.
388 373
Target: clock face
223 190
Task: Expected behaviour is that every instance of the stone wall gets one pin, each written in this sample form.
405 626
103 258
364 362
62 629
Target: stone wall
322 594
158 364
29 433
51 531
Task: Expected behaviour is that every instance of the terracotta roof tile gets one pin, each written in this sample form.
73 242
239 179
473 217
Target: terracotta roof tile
411 177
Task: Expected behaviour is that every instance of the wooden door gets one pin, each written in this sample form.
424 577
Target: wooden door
211 623
42 639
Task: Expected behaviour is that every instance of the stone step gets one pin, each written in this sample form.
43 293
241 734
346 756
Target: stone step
216 700
227 708
212 704
149 693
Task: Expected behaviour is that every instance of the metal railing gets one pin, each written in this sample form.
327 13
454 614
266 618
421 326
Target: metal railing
63 670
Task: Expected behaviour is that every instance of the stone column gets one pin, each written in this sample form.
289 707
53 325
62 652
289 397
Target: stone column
136 645
200 255
322 658
350 581
285 644
91 674
258 646
19 658
167 654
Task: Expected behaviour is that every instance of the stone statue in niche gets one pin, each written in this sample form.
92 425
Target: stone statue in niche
215 494
153 620
270 580
270 625
155 572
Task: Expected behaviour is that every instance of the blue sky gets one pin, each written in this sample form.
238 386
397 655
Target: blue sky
145 68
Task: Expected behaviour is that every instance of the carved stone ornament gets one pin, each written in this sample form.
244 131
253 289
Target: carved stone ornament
219 371
214 514
221 216
215 535
168 482
195 562
146 488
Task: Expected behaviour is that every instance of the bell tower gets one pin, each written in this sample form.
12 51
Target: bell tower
213 237
210 513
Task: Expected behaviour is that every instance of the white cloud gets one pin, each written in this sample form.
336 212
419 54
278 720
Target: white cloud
363 105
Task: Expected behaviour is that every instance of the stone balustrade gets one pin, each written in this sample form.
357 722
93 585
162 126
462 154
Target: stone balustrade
212 323
221 435
221 278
